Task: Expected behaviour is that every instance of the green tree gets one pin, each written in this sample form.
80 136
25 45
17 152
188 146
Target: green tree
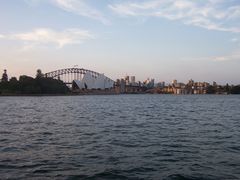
235 89
13 85
227 89
5 76
211 90
39 74
29 85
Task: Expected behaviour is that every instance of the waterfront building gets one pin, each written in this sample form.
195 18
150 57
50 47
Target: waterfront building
174 82
90 82
125 86
190 82
168 89
180 91
127 80
118 81
133 79
149 83
161 84
214 84
122 86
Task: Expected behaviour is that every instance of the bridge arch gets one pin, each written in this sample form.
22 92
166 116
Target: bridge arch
69 74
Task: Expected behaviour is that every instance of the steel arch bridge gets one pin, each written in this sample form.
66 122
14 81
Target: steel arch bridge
69 74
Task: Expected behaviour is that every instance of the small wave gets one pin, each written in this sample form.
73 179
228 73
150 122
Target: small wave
76 177
11 149
187 177
116 175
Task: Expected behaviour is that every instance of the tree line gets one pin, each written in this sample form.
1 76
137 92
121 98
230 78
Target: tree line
223 89
30 85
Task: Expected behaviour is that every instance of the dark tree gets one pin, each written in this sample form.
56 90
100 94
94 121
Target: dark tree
28 85
5 76
227 89
211 90
13 85
39 74
235 89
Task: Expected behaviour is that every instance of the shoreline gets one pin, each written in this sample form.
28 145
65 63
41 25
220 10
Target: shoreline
99 94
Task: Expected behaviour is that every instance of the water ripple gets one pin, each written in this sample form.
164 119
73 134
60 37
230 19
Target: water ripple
120 137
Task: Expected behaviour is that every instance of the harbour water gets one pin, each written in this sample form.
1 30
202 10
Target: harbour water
120 137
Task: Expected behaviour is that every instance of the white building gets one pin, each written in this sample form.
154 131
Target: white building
90 82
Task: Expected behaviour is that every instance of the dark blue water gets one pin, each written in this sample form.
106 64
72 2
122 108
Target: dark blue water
120 137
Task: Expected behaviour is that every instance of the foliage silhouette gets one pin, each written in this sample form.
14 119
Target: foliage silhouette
29 85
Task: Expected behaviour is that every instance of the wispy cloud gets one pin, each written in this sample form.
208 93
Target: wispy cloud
78 7
46 36
32 2
81 8
230 57
210 14
234 40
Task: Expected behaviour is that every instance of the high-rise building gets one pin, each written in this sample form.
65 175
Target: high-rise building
127 80
214 84
174 82
133 79
190 82
149 83
122 86
161 84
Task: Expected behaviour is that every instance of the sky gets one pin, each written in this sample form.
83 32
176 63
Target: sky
160 39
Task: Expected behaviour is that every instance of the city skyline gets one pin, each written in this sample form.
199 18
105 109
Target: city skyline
160 39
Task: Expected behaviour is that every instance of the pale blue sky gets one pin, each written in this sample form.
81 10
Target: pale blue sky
161 39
